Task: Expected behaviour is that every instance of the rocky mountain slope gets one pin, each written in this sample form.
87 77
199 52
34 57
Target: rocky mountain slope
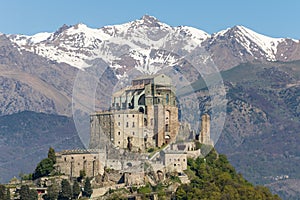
26 136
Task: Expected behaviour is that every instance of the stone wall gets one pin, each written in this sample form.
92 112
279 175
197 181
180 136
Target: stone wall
71 163
174 161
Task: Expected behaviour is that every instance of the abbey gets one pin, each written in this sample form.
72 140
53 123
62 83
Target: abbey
142 115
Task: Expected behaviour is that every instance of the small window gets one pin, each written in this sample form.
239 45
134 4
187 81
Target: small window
178 159
72 157
94 157
78 163
174 165
119 133
132 133
183 160
65 159
119 142
133 116
126 115
83 157
127 124
119 123
133 125
118 115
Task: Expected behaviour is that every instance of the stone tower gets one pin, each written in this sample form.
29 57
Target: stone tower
204 136
142 115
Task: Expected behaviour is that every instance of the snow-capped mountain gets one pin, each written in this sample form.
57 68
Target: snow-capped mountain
128 45
139 44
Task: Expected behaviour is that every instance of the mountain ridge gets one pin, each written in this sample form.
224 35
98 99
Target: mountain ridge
77 45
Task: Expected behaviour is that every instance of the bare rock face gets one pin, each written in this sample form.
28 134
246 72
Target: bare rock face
288 50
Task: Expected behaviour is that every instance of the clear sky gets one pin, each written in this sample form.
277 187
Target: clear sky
273 18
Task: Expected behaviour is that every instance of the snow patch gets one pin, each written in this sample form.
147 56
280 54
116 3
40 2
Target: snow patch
39 37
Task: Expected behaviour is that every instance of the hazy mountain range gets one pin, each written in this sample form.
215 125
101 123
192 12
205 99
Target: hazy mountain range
261 76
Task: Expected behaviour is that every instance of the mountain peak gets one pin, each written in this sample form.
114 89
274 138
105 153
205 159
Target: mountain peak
149 21
149 18
61 29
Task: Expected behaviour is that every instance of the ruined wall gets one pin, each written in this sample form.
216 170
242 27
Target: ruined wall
134 178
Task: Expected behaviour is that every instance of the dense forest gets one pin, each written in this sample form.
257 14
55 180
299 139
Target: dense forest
214 177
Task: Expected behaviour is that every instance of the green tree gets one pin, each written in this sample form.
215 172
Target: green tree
51 155
76 190
44 168
66 191
82 174
181 194
52 192
4 193
214 177
33 195
7 194
87 191
24 192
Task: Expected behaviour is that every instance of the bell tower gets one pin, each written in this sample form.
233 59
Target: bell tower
204 136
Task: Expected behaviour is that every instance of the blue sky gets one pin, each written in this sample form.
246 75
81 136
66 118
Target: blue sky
272 18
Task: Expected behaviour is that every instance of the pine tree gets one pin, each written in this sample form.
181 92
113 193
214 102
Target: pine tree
88 191
51 155
24 192
33 195
76 190
66 191
52 192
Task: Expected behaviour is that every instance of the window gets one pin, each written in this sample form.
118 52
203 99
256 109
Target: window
83 157
127 124
118 115
133 125
119 133
65 159
119 123
167 98
119 142
132 115
126 115
132 133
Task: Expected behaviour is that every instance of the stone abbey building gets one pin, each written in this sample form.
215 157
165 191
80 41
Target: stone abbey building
142 115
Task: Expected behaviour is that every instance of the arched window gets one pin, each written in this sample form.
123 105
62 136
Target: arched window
167 99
